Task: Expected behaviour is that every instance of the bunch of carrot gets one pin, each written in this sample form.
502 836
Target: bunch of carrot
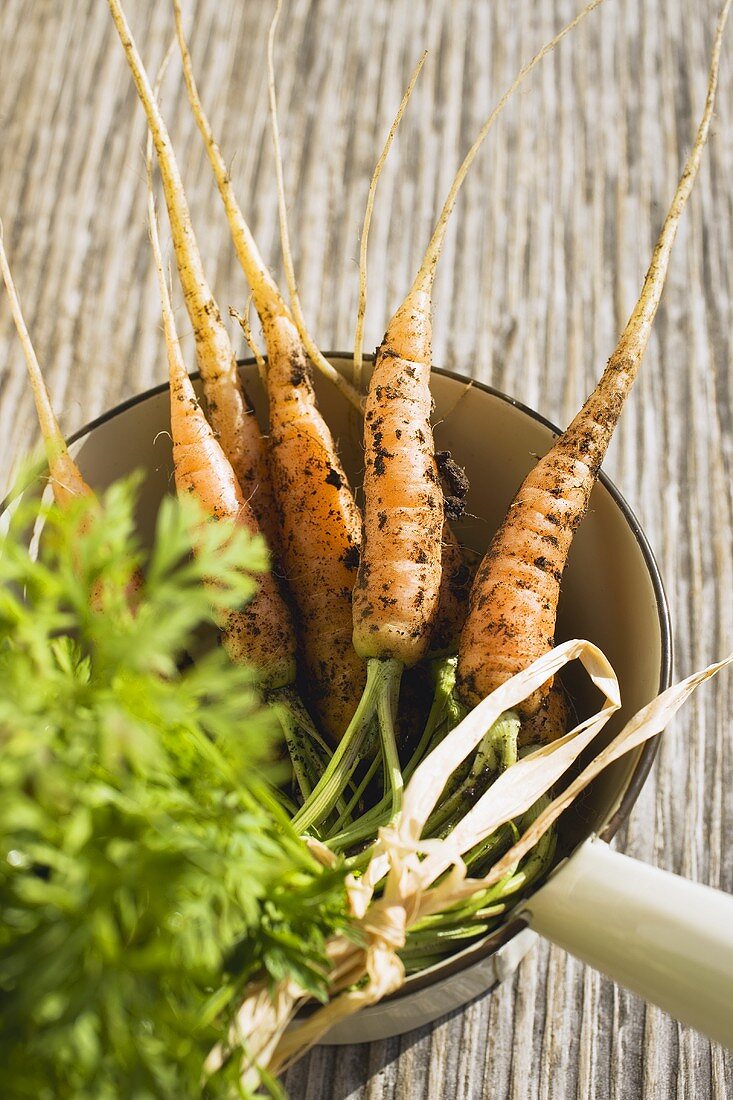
355 598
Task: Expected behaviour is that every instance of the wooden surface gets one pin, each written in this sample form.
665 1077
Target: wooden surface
542 264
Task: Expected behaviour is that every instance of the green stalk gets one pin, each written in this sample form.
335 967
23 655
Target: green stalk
317 751
444 678
386 713
420 941
364 827
380 675
435 936
289 696
487 851
496 751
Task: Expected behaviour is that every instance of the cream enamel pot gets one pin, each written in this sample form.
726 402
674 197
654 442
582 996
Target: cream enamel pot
667 939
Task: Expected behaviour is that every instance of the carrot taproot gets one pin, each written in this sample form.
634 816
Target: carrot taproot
453 595
66 478
309 343
320 531
230 410
319 523
397 588
515 595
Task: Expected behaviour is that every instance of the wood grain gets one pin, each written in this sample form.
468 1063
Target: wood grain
541 267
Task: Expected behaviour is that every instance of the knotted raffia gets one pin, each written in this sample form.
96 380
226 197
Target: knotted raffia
420 876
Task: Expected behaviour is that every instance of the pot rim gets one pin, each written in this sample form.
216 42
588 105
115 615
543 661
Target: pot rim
488 945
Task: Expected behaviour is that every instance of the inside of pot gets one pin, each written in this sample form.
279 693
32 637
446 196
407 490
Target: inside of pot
611 591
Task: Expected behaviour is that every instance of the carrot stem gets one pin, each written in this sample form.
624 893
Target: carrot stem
301 765
362 829
303 741
341 766
444 676
496 752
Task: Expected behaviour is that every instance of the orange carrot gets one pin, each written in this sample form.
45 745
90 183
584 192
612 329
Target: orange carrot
515 594
319 523
231 413
320 529
259 634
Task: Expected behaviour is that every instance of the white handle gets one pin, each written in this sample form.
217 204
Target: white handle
666 938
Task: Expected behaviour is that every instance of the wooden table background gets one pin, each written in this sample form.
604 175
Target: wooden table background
542 264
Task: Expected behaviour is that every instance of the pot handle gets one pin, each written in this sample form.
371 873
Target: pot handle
666 938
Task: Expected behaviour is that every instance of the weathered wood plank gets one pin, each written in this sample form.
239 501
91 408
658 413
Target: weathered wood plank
541 266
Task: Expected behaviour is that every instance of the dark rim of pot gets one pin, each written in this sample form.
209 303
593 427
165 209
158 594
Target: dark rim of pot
489 944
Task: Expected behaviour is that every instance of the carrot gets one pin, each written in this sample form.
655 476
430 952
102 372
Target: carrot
261 633
397 588
66 479
229 407
514 597
320 524
453 596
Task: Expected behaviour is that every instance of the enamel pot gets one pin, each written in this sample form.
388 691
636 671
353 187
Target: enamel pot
665 938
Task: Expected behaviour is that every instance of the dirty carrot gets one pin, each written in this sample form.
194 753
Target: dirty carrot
320 524
229 408
515 595
260 633
456 572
